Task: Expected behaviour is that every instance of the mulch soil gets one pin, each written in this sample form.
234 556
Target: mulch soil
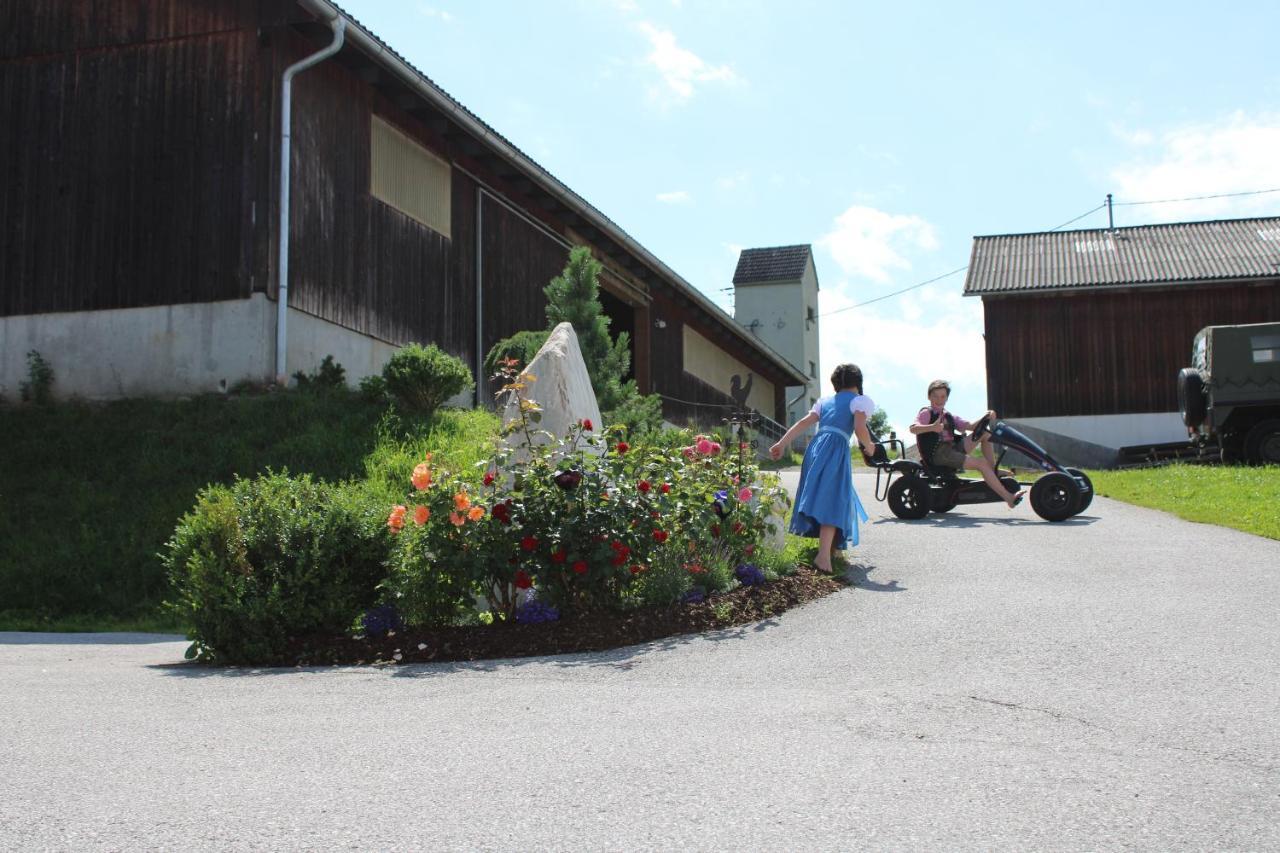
587 632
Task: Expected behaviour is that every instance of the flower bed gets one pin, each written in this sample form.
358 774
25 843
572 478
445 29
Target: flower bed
552 544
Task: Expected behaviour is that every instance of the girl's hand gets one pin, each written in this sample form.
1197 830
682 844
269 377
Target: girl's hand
775 452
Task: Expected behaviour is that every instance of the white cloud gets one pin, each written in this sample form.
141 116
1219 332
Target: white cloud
868 243
677 197
432 12
732 182
1237 154
681 70
905 343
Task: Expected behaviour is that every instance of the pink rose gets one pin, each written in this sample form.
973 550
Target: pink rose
744 495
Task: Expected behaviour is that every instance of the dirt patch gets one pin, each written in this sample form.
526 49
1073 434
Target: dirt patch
588 632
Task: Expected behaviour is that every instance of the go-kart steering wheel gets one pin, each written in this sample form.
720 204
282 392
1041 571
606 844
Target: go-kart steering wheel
982 427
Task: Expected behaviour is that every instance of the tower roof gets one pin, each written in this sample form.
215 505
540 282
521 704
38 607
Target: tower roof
776 263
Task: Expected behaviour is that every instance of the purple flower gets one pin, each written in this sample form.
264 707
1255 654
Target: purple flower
380 620
694 596
534 611
749 574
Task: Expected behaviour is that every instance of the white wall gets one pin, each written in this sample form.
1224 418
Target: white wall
1115 431
167 350
178 350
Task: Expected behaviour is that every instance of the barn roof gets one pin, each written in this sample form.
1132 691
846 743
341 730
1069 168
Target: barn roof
1143 255
489 139
777 263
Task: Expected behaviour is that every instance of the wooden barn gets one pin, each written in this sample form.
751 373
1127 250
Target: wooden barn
1086 330
141 144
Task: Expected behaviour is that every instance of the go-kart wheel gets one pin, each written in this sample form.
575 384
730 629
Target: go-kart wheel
909 498
1086 496
1054 496
981 427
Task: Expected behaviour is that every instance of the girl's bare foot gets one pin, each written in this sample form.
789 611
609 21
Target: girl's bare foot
1017 498
825 569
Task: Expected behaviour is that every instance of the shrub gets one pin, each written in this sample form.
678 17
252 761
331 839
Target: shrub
271 558
522 346
639 414
373 388
330 375
38 386
422 378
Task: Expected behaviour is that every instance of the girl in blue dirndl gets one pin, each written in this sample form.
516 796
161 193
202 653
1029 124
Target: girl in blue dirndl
826 506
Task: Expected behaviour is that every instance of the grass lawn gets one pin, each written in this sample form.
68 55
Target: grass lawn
1246 499
89 494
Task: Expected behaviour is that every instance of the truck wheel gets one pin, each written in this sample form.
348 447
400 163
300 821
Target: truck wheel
1086 496
909 498
1262 444
1054 496
1191 402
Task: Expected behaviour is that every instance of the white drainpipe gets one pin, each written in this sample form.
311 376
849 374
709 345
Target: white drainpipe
339 25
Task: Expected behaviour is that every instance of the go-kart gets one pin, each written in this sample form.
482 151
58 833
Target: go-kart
922 487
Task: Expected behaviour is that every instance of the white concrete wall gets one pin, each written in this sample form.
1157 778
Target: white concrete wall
1115 431
167 350
178 350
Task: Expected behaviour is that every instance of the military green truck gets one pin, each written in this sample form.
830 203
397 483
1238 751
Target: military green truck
1230 396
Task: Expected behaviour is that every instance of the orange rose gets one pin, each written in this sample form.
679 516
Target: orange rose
396 520
461 501
457 518
421 476
476 513
420 515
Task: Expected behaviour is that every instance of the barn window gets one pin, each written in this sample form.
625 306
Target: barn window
409 178
1266 349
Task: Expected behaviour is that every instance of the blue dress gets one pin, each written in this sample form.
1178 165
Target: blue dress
825 494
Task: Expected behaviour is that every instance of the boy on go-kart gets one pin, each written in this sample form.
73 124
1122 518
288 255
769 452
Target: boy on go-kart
939 436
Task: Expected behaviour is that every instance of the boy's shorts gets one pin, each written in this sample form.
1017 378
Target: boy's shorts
948 454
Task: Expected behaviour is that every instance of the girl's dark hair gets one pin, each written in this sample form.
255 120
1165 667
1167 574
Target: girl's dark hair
847 376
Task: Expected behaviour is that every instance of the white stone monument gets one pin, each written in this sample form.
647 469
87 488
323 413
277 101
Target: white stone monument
561 388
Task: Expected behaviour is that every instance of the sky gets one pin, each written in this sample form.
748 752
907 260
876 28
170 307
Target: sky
887 135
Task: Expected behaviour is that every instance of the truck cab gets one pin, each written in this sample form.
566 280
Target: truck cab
1230 395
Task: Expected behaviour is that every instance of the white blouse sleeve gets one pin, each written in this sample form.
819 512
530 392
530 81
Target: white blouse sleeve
862 403
816 411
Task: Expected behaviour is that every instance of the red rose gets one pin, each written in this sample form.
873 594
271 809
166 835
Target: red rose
622 447
737 527
528 543
660 536
635 570
586 424
488 478
666 488
523 581
644 486
618 559
580 567
559 556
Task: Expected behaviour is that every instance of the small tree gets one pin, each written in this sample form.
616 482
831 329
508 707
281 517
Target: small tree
574 297
878 424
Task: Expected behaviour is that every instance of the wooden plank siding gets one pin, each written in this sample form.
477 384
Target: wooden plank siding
127 169
1108 352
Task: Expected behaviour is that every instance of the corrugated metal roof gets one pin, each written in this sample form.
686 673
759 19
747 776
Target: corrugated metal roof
778 263
1223 249
540 175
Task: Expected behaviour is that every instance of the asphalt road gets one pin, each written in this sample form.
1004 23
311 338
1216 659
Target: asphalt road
991 682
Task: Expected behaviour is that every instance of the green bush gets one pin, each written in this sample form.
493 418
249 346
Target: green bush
330 375
639 414
522 346
421 378
38 388
271 558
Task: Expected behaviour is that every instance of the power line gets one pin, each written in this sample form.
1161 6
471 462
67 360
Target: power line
1195 197
1078 218
1089 212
